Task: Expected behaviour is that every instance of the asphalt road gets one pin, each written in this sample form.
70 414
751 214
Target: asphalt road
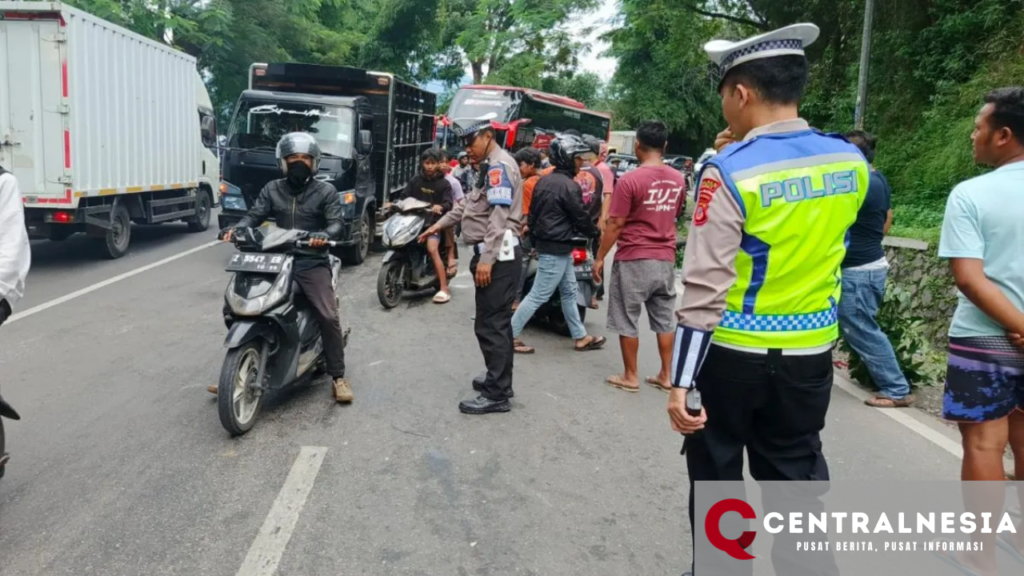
121 466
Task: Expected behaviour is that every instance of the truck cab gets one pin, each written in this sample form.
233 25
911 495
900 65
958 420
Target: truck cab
342 127
370 126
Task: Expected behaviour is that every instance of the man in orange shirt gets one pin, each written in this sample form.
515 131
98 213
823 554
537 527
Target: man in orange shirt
529 161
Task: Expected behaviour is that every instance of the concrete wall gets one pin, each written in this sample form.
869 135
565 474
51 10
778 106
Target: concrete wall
916 267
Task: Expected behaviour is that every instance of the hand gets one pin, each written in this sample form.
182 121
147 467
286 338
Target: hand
601 224
319 239
430 232
598 271
387 206
1017 340
436 209
682 422
483 274
226 234
724 138
526 229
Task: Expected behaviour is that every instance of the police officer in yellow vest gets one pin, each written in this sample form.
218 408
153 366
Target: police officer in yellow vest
762 272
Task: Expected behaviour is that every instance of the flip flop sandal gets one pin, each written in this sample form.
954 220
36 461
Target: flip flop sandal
519 348
442 298
655 383
886 402
1005 544
616 382
595 343
950 559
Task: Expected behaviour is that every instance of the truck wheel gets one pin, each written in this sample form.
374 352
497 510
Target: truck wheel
113 242
201 221
355 255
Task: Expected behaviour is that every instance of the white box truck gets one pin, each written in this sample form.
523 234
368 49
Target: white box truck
102 127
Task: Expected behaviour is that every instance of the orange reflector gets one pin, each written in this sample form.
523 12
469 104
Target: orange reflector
348 198
223 188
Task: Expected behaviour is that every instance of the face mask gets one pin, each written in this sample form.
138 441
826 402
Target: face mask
298 174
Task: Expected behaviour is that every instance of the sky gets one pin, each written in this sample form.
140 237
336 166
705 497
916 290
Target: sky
601 20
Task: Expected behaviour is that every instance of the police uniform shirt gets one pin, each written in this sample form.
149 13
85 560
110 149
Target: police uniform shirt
492 208
714 238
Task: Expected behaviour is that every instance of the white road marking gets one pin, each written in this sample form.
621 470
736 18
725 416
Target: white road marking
268 547
107 282
896 414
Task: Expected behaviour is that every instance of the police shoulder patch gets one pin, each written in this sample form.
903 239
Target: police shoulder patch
706 191
499 186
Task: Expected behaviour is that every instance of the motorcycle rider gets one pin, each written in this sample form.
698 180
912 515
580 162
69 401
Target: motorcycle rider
15 260
301 202
431 186
15 255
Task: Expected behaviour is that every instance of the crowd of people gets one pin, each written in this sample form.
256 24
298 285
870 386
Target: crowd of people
784 254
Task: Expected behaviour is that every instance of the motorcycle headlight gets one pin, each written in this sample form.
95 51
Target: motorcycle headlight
401 229
259 298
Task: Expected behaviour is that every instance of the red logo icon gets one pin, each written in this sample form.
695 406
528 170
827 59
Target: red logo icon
735 548
705 193
495 175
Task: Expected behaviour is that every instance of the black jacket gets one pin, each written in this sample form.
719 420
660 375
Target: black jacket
557 214
314 208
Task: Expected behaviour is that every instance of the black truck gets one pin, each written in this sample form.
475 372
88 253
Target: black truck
371 126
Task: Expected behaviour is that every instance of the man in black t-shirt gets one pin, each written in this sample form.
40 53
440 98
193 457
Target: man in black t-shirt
432 187
864 272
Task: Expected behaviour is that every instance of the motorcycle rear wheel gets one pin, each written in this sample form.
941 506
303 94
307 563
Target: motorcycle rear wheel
238 403
391 283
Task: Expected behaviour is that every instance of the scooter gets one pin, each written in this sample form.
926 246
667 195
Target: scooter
6 411
583 262
406 265
273 339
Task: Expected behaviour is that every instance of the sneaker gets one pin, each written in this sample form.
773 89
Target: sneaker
342 390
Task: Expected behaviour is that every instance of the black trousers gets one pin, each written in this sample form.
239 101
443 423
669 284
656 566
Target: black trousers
493 324
315 284
774 407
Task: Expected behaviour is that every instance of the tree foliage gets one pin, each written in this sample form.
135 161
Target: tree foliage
931 62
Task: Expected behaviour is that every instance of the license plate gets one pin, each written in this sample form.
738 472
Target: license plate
584 269
265 263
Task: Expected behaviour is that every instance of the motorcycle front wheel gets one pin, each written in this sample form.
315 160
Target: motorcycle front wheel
3 455
238 400
391 283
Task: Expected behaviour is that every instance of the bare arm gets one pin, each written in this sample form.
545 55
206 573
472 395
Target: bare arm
969 274
888 222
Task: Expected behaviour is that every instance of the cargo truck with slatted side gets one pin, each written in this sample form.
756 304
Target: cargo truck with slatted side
371 127
102 127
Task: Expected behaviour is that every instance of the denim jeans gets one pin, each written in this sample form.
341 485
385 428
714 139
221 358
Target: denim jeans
553 273
862 295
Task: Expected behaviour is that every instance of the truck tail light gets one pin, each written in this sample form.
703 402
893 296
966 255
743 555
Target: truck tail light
61 218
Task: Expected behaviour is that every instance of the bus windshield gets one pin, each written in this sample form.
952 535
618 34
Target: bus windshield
481 105
261 124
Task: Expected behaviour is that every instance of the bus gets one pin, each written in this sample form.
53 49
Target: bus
525 117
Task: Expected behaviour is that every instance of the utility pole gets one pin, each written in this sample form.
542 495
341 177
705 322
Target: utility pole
865 58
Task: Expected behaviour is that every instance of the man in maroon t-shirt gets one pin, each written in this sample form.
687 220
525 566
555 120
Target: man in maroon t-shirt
642 217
